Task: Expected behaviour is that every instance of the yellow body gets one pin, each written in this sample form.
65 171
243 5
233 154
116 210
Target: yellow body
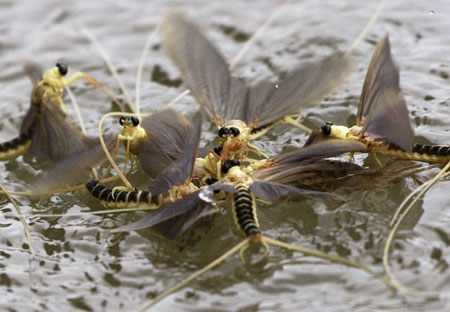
414 156
383 148
53 84
121 205
15 151
235 176
172 195
133 135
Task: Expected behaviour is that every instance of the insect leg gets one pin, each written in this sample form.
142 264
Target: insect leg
257 150
378 160
295 123
127 155
243 249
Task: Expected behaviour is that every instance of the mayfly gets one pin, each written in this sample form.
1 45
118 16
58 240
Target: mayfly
244 190
382 121
44 132
168 154
153 142
243 113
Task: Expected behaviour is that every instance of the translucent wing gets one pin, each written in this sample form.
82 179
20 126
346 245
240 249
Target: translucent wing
272 191
28 120
33 70
306 172
54 138
324 149
314 138
181 169
269 102
382 109
71 169
218 186
167 132
203 69
175 218
32 115
35 73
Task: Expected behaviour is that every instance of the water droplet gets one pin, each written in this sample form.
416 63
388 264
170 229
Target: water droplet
207 195
432 12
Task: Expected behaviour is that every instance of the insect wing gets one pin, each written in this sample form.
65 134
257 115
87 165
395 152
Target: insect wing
272 191
167 132
69 170
28 120
218 186
181 169
175 218
203 69
382 109
63 139
54 138
269 102
314 138
323 149
34 71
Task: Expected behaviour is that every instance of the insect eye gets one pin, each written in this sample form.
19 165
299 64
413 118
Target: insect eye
210 181
63 68
135 121
235 162
218 150
326 128
226 166
234 131
230 163
223 132
121 120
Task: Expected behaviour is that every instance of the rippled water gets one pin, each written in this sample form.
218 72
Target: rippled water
81 266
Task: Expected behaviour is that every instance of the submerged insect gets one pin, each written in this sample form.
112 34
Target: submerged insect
44 132
243 113
382 121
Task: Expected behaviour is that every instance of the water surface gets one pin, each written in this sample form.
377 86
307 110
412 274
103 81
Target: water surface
81 266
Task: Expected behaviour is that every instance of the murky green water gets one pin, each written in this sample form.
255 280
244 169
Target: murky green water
81 266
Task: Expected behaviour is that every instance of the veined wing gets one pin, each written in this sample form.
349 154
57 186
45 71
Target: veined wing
382 109
63 139
29 119
181 169
323 149
203 69
175 218
35 73
298 173
272 191
167 132
68 171
269 102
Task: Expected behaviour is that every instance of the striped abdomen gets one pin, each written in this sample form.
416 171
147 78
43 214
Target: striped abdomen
17 146
119 199
434 153
244 211
426 153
